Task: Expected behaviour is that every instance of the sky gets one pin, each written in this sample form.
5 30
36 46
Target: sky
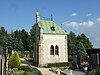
79 16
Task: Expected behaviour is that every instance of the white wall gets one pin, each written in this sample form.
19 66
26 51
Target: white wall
54 40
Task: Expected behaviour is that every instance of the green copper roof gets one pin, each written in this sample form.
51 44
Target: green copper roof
50 27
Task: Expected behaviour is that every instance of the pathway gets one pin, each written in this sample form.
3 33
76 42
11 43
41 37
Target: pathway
75 72
44 71
24 62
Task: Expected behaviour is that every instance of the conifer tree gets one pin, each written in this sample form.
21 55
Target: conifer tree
14 60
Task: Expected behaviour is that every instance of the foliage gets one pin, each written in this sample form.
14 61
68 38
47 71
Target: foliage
85 40
58 64
19 72
92 72
33 71
25 68
32 39
14 60
25 41
15 73
81 49
15 69
32 33
74 40
3 36
97 73
11 43
69 58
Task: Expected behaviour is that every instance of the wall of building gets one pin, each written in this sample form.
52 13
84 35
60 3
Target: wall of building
61 42
37 44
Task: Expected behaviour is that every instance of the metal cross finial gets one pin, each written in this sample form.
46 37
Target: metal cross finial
52 17
36 10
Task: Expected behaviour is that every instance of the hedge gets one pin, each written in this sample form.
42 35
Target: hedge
64 64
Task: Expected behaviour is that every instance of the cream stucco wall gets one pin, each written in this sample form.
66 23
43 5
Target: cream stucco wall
47 41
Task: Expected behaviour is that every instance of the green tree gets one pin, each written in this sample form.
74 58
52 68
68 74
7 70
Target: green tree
72 38
81 49
32 34
14 60
24 41
85 41
12 43
73 42
3 36
32 39
17 34
24 38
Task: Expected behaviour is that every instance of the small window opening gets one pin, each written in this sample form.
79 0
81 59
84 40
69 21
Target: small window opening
52 50
56 50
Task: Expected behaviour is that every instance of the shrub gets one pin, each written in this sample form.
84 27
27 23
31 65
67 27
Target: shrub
15 69
26 73
94 72
25 68
58 64
35 72
14 60
21 72
15 73
9 73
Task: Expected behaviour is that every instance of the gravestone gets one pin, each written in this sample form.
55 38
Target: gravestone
79 61
74 64
95 60
26 53
75 58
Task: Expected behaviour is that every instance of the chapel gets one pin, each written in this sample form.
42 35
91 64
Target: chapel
51 42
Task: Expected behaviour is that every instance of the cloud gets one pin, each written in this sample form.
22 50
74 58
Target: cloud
98 19
87 15
75 24
74 14
98 38
90 28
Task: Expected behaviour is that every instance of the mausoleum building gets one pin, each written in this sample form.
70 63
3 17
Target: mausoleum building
51 42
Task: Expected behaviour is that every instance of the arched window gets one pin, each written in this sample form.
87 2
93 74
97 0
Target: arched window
52 50
56 50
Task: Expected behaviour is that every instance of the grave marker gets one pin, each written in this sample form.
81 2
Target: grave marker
95 60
